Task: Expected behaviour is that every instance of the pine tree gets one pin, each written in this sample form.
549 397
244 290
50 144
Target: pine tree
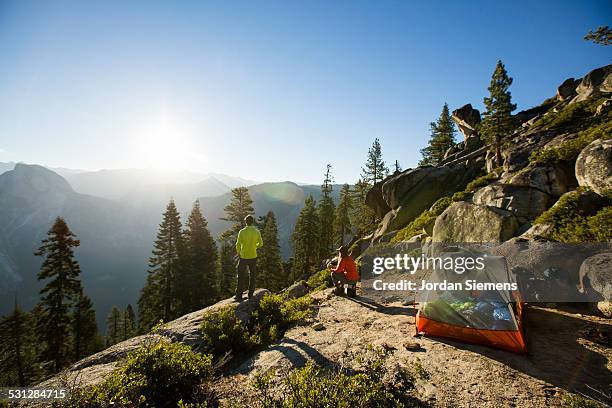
128 323
601 36
497 121
397 168
58 295
158 299
114 330
18 351
235 212
342 224
198 287
362 216
84 327
269 262
441 139
375 169
227 270
326 210
306 240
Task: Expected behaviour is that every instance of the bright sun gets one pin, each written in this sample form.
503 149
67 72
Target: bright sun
162 145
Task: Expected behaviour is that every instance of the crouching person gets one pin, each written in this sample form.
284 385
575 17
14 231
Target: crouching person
345 273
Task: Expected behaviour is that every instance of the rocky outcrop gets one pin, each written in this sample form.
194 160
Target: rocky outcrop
466 118
594 166
185 329
466 222
552 178
567 90
375 200
525 202
594 84
596 275
296 290
413 191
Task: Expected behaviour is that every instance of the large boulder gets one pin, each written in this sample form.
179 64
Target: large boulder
525 202
466 118
296 290
594 166
374 199
594 84
596 275
567 90
417 189
466 222
551 178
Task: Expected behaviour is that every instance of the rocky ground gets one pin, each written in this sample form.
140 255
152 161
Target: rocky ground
561 356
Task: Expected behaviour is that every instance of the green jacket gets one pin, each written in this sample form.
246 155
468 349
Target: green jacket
249 239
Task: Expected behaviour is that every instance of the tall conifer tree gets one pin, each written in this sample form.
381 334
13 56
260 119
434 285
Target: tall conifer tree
326 210
269 262
306 240
128 322
342 224
114 331
375 169
441 139
227 270
61 271
158 299
198 286
240 206
497 121
84 327
362 216
18 351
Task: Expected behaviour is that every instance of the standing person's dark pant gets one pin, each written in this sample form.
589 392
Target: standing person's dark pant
242 276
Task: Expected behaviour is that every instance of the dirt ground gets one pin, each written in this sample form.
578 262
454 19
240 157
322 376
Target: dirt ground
563 356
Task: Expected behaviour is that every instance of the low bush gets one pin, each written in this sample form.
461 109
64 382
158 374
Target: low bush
156 375
569 150
319 280
570 224
223 332
575 116
275 314
314 387
578 401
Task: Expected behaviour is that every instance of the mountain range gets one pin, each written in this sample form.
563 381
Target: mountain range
115 215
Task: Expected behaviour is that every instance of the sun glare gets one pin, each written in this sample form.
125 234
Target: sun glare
163 144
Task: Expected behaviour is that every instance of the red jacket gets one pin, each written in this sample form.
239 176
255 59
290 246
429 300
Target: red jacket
348 267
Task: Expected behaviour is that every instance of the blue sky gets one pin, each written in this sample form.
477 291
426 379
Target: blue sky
267 90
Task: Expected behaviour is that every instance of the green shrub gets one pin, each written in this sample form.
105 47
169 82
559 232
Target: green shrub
570 224
155 375
315 387
481 181
575 116
319 280
275 314
416 226
223 332
570 149
578 401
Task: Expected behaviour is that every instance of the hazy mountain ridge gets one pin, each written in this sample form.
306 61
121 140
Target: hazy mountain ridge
116 235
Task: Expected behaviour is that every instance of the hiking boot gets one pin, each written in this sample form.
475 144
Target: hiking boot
339 291
351 291
238 298
250 295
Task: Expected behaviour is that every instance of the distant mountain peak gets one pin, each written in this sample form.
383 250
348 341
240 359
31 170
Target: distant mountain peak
27 179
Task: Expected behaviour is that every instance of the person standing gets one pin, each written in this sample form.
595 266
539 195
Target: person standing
249 239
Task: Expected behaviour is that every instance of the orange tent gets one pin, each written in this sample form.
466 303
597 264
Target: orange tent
492 317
